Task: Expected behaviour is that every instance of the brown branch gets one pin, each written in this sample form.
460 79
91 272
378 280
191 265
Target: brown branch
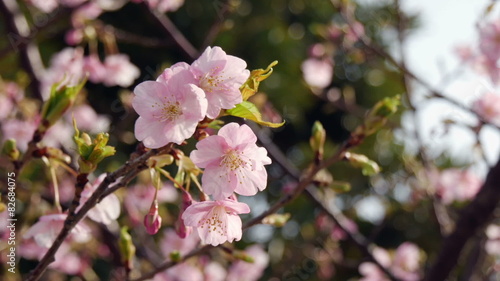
171 30
132 167
472 219
18 34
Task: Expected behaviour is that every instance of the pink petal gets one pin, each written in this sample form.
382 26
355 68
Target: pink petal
209 150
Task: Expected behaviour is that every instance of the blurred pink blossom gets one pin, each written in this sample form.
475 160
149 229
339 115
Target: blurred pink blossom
488 108
180 272
489 41
88 120
107 210
45 231
21 131
171 242
138 199
492 245
246 271
318 73
456 185
95 68
213 271
165 5
119 71
66 68
45 6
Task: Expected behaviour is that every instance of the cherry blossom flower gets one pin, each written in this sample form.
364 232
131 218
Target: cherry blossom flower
488 107
172 242
169 112
45 6
95 68
216 221
180 272
245 271
66 68
45 231
492 245
456 185
119 71
220 76
106 211
213 271
404 265
138 199
232 162
21 131
318 73
489 44
165 5
87 119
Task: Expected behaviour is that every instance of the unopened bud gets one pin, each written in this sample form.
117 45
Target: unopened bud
127 247
278 220
152 220
317 140
10 149
368 167
241 255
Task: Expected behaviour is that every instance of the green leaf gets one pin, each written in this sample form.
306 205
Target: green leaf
249 111
251 86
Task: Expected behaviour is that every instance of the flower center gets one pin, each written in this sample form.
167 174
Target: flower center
209 83
213 220
232 160
171 111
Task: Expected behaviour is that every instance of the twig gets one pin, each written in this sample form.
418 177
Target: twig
19 31
169 264
313 194
175 33
129 169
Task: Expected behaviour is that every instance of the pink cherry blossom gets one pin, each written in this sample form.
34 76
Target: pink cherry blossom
138 199
216 221
165 5
220 76
456 185
490 40
213 271
106 211
232 162
152 220
45 231
169 112
488 107
21 131
66 68
318 73
245 271
45 6
406 262
95 68
119 71
87 119
181 272
492 245
172 242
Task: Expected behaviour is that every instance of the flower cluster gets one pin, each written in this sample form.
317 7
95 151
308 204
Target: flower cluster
171 107
170 110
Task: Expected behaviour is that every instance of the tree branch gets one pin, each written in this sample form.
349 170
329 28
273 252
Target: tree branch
472 219
19 33
130 168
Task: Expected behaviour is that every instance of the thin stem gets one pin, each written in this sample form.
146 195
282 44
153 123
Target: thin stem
124 174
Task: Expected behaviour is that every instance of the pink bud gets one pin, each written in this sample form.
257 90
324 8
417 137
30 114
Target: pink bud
182 230
152 221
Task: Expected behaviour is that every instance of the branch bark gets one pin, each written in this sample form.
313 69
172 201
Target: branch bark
472 218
